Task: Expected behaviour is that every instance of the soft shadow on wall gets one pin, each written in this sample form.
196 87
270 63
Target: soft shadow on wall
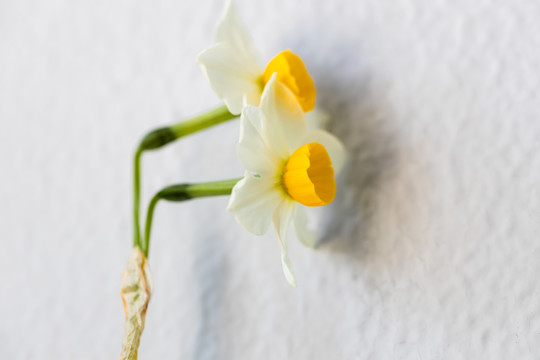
362 121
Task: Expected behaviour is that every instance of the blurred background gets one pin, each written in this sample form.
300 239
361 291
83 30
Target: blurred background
429 252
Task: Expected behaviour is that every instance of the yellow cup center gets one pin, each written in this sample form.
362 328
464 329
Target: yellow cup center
308 176
292 72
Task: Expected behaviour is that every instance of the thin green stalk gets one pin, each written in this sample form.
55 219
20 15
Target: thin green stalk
148 223
203 121
183 192
162 136
136 197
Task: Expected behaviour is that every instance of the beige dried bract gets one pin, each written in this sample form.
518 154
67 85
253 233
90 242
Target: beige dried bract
136 288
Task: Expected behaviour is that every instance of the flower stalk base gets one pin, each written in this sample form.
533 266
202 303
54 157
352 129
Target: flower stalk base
136 288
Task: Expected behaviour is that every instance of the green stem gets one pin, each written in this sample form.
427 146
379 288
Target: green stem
148 223
162 136
203 121
136 197
165 135
183 192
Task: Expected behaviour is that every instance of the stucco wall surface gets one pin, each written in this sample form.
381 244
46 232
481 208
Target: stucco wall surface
430 251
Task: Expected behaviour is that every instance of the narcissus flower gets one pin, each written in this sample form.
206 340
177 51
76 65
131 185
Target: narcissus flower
233 71
288 167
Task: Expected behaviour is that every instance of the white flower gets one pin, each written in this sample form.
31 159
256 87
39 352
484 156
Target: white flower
288 166
232 68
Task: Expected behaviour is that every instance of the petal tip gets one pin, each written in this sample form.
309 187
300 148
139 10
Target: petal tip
292 281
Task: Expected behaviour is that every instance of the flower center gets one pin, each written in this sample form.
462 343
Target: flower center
308 176
292 72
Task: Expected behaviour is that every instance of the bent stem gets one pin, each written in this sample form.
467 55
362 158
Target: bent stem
136 197
162 136
182 192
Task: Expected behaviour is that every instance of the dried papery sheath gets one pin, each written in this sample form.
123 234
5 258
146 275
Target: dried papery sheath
136 288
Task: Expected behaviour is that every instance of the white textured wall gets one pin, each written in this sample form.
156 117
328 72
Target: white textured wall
430 252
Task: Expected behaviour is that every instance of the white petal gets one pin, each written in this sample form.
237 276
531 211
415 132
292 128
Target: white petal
233 76
306 236
335 148
282 218
317 119
284 121
253 201
231 65
252 150
230 30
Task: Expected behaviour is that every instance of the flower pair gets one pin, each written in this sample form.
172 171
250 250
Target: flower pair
288 165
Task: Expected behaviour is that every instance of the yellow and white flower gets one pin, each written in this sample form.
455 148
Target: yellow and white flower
288 167
232 68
